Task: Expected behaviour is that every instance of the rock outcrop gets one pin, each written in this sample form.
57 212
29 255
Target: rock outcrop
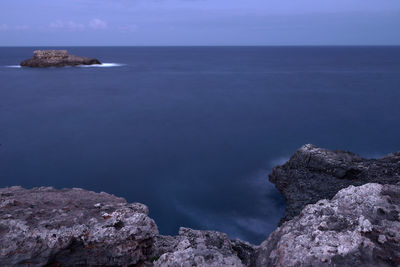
72 227
75 227
360 226
329 222
56 58
202 248
314 173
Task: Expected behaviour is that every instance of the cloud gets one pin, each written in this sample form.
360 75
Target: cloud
69 25
98 24
129 28
3 27
22 27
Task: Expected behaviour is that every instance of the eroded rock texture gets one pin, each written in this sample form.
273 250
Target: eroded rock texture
314 173
56 58
75 227
202 248
345 225
71 227
360 226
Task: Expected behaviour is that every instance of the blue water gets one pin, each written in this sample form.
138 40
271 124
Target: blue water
193 131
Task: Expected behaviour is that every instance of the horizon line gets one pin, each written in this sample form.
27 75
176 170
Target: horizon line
323 45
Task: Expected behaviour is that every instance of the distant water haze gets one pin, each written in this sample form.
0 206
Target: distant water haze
193 132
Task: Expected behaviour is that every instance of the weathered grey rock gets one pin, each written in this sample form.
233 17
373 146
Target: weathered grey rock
360 226
75 227
314 173
70 227
202 248
56 58
245 251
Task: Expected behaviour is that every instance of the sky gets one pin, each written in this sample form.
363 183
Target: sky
199 22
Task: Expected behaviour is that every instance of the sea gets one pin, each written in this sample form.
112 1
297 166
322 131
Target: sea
193 132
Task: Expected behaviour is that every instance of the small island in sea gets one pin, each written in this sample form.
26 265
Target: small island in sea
56 58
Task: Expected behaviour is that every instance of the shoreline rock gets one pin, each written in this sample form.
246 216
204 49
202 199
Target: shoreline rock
314 173
202 248
56 58
360 226
70 227
74 227
348 225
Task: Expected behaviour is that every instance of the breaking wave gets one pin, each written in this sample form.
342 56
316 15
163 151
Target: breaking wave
103 65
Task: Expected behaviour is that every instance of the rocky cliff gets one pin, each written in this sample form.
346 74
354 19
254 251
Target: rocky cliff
360 226
74 227
44 226
56 58
344 225
314 173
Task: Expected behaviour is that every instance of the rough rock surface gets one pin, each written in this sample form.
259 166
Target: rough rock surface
314 173
71 227
75 227
202 248
56 58
360 226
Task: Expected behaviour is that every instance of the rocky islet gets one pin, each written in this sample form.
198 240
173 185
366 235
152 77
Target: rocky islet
56 58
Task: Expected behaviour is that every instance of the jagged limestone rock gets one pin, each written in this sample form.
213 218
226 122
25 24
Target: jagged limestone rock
203 248
72 227
75 227
314 173
360 226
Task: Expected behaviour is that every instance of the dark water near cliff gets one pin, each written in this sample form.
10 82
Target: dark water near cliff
193 132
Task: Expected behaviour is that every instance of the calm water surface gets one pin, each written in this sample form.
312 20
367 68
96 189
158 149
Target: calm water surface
193 131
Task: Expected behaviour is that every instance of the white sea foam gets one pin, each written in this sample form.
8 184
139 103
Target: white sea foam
103 65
